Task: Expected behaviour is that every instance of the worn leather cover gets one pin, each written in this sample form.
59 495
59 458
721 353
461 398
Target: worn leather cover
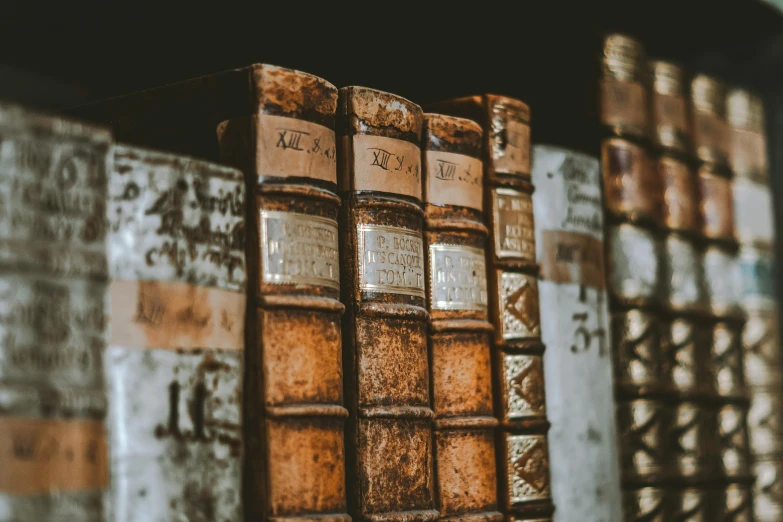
754 228
523 453
460 333
54 463
277 126
295 419
389 435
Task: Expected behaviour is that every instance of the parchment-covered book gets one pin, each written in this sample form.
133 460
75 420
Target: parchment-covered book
175 360
53 278
583 442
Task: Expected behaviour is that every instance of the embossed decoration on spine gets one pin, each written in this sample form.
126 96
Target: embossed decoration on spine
460 333
174 364
389 438
55 463
763 368
295 423
518 380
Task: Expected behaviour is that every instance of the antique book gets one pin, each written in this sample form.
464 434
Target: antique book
523 453
386 370
174 363
286 147
54 279
731 464
569 227
754 229
277 126
634 275
684 345
460 333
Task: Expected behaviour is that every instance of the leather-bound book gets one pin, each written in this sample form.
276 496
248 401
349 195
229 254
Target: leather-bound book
730 453
754 228
460 333
53 448
583 440
174 364
277 126
389 434
295 414
523 452
634 277
684 346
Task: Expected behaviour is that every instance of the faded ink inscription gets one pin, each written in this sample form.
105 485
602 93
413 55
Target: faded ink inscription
390 260
299 249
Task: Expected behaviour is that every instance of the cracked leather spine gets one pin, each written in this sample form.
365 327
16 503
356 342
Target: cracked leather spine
296 415
389 435
460 332
518 387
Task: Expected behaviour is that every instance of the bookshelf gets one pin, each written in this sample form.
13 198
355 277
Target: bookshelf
541 52
72 54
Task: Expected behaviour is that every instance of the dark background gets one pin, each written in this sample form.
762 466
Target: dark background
69 53
58 55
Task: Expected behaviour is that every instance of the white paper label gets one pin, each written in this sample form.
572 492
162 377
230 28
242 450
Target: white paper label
753 217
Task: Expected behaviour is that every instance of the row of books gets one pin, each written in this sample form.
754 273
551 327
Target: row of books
330 304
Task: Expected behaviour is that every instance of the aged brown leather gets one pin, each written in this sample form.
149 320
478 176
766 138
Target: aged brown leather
175 358
754 229
389 434
460 333
269 119
295 442
522 452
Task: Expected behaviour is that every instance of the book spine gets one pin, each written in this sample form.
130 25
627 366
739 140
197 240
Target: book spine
518 376
389 436
52 399
729 462
460 333
174 364
294 378
520 404
754 229
583 441
634 247
689 413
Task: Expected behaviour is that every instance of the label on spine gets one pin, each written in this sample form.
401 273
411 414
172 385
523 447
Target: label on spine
722 280
753 216
391 260
291 147
299 249
454 179
513 217
634 263
575 330
683 282
386 165
458 278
